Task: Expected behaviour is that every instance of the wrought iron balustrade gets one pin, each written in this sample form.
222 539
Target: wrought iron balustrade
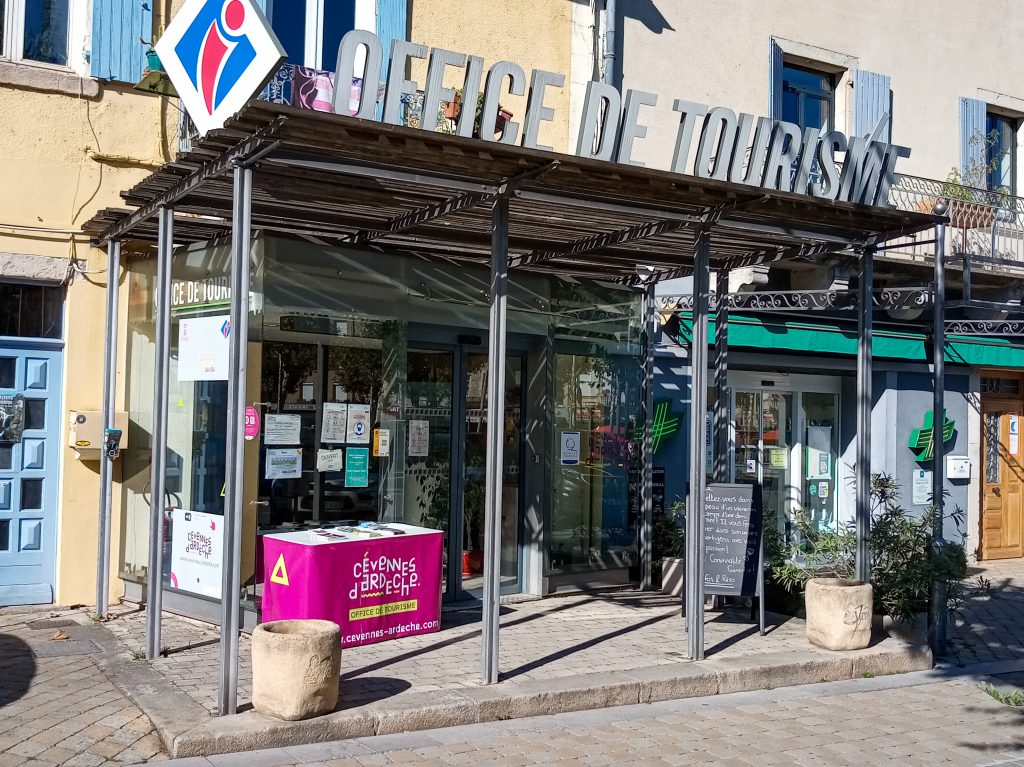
981 223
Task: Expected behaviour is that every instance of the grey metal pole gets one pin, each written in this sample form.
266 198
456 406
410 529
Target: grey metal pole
241 225
721 462
864 397
495 429
939 370
939 613
610 66
698 407
158 459
109 406
647 479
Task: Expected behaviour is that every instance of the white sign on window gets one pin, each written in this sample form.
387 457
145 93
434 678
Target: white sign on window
335 422
203 344
922 487
419 438
282 429
358 432
1014 433
197 550
570 448
284 463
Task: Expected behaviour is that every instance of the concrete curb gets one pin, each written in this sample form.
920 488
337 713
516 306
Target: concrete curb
514 700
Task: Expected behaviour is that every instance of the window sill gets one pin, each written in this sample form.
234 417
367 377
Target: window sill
44 77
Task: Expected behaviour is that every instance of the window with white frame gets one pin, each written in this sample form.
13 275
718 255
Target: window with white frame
311 30
36 30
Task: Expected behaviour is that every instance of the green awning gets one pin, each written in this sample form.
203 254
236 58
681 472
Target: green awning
826 338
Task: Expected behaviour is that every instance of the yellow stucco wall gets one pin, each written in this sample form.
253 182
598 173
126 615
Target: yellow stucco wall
532 33
62 158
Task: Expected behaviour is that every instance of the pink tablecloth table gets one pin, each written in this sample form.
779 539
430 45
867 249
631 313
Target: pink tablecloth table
374 588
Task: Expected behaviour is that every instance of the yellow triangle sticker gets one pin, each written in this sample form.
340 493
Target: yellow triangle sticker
280 574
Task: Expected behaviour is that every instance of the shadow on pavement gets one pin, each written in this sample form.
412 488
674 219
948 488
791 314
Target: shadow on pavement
17 668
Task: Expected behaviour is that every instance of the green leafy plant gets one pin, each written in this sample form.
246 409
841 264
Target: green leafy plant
962 183
905 563
1013 698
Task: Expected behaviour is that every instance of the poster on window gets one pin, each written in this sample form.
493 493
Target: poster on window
335 422
819 452
203 345
419 439
284 463
358 432
570 448
197 549
282 429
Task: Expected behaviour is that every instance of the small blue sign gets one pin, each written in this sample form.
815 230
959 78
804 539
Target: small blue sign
357 467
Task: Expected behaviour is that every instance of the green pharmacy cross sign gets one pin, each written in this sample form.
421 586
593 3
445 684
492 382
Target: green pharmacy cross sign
663 424
922 441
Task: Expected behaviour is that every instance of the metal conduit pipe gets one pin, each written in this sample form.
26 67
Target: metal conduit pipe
609 63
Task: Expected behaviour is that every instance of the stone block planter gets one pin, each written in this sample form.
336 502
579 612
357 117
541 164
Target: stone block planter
673 576
295 668
839 613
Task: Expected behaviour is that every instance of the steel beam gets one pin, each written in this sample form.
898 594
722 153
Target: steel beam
698 406
864 401
109 407
234 488
419 216
647 478
255 146
158 450
601 241
495 430
384 173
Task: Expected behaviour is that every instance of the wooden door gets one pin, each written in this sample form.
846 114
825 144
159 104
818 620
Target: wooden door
1002 479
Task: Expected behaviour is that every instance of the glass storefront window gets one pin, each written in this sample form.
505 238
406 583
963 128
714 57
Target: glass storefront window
821 440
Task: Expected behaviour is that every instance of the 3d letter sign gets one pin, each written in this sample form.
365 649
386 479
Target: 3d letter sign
218 53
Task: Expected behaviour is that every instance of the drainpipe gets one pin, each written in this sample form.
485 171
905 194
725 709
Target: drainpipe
610 74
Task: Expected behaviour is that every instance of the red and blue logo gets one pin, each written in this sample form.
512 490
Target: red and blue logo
218 54
215 50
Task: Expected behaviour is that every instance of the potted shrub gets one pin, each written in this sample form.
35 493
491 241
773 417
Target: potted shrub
668 544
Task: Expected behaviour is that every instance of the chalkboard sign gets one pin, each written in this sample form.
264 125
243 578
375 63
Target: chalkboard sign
732 539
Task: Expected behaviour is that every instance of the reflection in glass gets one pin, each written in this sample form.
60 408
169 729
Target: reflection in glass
821 449
46 31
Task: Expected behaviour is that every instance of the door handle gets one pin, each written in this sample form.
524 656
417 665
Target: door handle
997 492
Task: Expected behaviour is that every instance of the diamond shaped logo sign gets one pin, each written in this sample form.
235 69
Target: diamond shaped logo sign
218 54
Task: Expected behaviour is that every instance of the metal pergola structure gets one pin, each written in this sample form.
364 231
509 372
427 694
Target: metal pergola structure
346 181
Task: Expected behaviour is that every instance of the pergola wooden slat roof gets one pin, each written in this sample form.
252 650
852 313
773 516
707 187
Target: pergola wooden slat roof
342 179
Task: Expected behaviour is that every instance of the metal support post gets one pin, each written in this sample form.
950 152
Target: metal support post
721 431
109 406
698 407
647 480
939 614
158 459
241 218
864 400
495 430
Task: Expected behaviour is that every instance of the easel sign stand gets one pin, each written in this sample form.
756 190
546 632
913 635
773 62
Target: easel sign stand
734 543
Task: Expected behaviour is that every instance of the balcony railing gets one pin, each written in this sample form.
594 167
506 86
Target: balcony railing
981 223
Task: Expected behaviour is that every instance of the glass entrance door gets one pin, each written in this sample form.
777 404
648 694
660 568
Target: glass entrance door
446 421
788 442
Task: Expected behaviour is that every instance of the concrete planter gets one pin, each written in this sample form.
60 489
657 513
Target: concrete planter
295 668
839 613
673 576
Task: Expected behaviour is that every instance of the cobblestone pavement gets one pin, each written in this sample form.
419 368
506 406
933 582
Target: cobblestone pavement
887 721
990 624
541 639
57 707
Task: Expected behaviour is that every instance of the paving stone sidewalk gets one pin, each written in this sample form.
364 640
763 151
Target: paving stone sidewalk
990 624
57 706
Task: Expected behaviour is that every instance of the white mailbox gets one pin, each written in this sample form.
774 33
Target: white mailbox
958 467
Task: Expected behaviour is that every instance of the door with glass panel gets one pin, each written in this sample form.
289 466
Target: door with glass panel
788 442
446 457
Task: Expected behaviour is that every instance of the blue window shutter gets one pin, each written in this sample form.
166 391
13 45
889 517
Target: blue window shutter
774 80
392 22
872 98
118 28
972 153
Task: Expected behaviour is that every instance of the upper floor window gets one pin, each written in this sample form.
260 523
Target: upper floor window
35 30
311 30
1001 152
808 97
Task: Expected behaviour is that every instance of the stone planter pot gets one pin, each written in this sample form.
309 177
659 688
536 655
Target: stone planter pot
295 668
839 613
673 576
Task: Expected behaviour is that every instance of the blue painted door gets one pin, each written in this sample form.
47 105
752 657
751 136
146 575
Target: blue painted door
29 473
